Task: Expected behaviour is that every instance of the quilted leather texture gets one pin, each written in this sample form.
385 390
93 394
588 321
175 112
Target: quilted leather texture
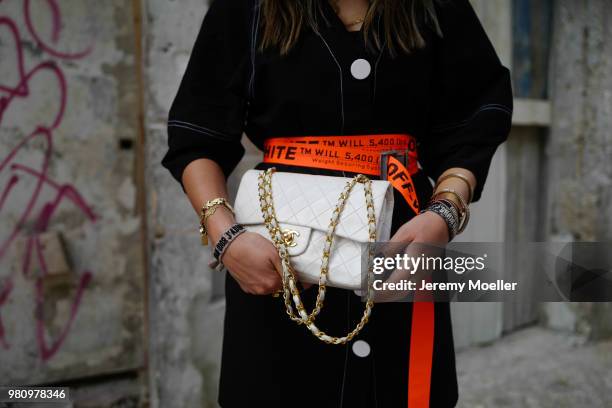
304 203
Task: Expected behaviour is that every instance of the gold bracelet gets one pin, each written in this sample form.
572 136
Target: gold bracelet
209 209
460 177
465 210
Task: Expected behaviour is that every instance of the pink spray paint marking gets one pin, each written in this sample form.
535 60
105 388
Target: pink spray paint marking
33 251
57 22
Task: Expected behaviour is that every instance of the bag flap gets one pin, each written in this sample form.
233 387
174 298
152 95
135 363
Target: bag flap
298 236
309 201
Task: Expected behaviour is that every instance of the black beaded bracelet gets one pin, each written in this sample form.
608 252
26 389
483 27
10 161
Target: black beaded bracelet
227 237
448 213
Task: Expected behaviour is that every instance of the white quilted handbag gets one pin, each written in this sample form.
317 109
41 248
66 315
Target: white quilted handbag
320 225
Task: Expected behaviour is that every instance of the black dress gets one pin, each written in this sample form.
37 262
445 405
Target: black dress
453 95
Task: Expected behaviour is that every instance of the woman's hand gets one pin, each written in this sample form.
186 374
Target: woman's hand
427 232
253 261
426 228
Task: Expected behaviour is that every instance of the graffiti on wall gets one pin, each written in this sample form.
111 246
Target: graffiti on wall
38 209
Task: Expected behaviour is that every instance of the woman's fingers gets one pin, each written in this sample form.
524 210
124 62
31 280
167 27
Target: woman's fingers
278 266
423 237
251 260
255 263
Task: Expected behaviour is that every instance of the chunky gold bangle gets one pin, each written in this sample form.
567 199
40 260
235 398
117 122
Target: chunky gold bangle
460 177
209 209
465 210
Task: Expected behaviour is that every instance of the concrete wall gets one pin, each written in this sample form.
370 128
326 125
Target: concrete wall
579 149
186 322
71 249
476 323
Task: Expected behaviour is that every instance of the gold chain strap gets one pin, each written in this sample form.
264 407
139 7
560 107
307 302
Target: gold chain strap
290 291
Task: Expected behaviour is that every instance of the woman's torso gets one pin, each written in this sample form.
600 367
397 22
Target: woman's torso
313 91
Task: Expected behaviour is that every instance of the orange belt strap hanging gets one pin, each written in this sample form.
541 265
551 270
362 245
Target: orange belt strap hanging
400 179
361 154
423 319
421 354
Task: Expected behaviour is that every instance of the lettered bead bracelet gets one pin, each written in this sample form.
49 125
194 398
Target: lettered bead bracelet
225 240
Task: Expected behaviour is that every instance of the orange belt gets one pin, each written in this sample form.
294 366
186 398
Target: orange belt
355 154
363 154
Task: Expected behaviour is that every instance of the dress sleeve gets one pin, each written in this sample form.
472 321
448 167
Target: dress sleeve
207 115
471 110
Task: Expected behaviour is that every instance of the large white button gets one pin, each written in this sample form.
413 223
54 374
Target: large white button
360 68
361 348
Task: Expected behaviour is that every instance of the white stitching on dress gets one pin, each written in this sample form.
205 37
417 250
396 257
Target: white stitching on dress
465 122
374 386
215 136
180 122
378 59
254 31
341 79
348 323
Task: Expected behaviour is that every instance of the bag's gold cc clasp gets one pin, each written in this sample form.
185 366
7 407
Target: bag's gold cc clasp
289 237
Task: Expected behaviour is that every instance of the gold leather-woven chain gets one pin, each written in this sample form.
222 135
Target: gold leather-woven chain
290 291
